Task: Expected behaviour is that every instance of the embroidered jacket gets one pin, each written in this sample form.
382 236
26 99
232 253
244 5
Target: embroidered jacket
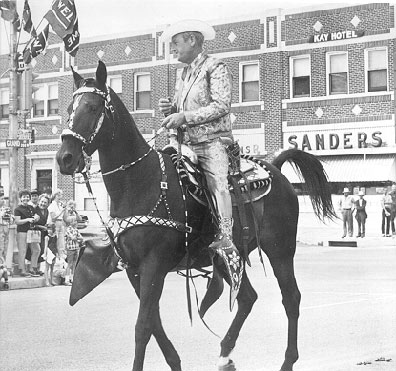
203 92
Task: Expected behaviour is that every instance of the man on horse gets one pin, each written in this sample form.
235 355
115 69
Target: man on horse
201 109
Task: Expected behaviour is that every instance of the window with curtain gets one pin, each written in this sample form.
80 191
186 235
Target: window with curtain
377 70
53 102
115 82
38 102
4 104
338 73
143 91
250 88
301 73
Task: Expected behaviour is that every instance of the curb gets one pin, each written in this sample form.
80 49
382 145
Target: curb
17 283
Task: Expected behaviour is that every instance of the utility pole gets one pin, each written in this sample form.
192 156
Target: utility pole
13 131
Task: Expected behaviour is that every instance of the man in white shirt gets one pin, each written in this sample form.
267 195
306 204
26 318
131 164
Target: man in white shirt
347 206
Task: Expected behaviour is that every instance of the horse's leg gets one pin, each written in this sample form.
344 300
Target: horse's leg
284 272
246 298
151 285
167 348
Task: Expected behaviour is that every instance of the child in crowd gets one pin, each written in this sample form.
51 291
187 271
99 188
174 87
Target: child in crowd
4 273
59 271
73 238
49 255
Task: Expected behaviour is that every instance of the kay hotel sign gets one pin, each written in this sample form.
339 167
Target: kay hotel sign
335 35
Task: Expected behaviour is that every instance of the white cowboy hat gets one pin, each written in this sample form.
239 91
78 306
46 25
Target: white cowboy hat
346 190
204 28
361 193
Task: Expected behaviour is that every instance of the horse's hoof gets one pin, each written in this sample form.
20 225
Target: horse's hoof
230 366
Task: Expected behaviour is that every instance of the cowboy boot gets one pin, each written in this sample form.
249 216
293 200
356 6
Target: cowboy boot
226 249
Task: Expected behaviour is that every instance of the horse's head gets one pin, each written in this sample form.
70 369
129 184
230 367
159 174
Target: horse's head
92 108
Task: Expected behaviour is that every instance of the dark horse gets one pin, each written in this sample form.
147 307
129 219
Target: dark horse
132 175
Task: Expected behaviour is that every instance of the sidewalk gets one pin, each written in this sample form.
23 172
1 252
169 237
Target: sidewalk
313 232
310 232
18 282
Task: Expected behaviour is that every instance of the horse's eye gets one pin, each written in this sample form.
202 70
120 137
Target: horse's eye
93 108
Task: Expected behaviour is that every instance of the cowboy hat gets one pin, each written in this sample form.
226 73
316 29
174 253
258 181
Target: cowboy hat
204 28
346 190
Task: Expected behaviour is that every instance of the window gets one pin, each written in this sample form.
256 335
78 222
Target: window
377 70
301 72
338 73
38 102
45 101
53 107
250 91
115 82
142 91
44 181
4 104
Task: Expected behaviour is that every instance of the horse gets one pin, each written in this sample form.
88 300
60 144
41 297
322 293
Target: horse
132 173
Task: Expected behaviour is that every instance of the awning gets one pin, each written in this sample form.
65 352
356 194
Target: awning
353 168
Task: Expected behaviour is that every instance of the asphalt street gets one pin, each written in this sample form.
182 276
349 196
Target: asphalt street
347 323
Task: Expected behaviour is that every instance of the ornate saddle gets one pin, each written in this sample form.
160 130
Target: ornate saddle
253 178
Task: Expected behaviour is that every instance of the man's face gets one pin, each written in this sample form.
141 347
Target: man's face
183 48
35 198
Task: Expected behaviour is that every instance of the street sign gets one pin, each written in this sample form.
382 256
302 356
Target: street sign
19 143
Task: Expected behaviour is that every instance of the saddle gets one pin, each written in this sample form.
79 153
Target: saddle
253 179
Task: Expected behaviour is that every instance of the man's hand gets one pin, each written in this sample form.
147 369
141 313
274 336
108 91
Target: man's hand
165 106
174 121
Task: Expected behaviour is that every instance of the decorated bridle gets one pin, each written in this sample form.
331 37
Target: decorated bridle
108 110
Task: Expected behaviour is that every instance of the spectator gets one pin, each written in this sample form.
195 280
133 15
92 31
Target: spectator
361 215
6 219
3 273
393 209
346 206
59 271
56 211
386 205
73 238
24 219
42 211
49 255
34 197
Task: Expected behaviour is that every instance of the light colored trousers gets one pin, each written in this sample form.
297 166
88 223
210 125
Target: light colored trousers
4 232
213 159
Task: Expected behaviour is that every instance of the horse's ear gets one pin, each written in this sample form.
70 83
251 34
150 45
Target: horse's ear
78 79
101 74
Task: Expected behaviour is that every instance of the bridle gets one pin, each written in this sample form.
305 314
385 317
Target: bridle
108 110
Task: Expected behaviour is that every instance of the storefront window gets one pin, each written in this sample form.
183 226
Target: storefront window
377 72
301 72
338 73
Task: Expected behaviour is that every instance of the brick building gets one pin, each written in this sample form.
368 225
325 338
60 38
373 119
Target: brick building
320 80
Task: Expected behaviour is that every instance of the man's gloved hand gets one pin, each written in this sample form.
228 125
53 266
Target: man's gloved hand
174 121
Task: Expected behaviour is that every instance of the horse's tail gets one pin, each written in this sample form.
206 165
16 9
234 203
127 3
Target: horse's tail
314 180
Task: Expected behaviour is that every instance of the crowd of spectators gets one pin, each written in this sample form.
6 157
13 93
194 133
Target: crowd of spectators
46 234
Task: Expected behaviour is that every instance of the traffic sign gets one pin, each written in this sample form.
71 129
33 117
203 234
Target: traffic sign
19 143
